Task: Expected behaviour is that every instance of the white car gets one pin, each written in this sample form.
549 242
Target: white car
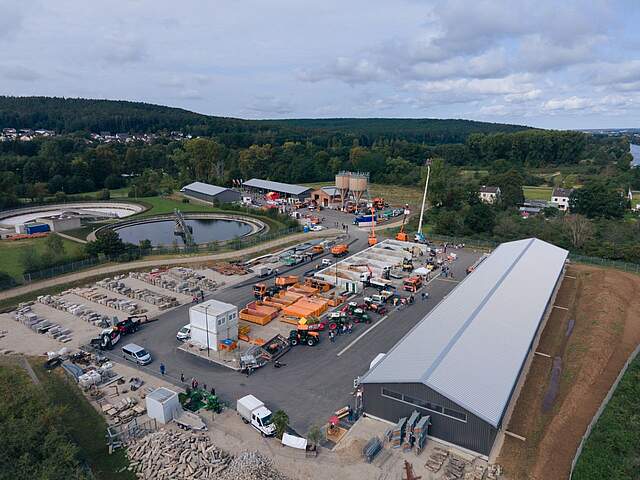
184 333
316 228
326 262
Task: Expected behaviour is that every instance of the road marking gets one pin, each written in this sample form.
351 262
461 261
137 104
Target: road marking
561 308
543 354
363 334
447 280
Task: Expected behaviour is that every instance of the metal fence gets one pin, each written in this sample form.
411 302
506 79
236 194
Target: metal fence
63 268
601 409
603 262
135 253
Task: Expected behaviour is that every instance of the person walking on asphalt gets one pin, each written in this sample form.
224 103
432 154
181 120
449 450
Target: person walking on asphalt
182 377
162 369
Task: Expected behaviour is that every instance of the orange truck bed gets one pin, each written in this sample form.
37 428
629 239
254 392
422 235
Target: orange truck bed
287 280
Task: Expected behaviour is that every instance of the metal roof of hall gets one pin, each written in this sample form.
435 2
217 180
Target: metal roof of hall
472 345
204 188
276 186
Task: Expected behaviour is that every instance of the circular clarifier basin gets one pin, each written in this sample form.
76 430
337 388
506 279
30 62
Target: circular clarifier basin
204 230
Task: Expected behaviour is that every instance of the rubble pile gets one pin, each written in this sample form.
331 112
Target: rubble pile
176 455
252 466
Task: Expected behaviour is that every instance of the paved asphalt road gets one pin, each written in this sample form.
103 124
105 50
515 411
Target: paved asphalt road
316 381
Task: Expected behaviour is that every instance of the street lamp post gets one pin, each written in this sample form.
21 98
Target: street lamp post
206 317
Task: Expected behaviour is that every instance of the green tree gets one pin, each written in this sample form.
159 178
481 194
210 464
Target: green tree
281 422
598 199
510 183
6 281
314 435
108 243
479 218
54 245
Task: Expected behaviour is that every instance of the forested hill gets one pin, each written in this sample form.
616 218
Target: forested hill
422 130
67 115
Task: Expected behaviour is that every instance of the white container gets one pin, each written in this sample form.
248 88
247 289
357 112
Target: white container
212 322
163 405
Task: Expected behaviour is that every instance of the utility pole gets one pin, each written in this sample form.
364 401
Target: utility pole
206 316
424 196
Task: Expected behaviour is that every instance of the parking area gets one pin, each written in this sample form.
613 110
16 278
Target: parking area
314 381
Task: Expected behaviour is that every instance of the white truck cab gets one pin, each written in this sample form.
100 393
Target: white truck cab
254 412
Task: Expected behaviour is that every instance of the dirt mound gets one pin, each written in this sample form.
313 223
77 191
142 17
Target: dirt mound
606 328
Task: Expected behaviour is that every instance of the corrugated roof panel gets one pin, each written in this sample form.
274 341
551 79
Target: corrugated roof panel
472 345
276 186
204 188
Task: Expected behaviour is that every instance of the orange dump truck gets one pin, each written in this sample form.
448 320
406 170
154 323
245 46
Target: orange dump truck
340 250
286 280
412 284
258 313
307 307
303 289
318 284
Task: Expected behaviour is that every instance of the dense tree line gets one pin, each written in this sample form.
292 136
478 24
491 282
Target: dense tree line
35 443
299 151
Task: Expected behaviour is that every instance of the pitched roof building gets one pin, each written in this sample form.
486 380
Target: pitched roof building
462 362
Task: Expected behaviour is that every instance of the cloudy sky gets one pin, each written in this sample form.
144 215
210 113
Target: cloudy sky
556 64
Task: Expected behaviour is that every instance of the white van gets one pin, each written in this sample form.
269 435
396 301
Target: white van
136 353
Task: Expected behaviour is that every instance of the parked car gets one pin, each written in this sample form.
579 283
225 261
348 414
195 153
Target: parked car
326 262
316 228
184 333
135 353
254 412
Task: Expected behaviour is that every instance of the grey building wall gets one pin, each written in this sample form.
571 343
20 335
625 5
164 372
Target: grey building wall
475 434
227 196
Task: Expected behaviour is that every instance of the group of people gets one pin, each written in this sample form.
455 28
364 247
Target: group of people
344 226
343 329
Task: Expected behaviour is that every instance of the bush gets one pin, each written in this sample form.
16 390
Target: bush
103 194
6 281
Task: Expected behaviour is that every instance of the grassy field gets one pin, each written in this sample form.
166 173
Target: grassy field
85 426
10 252
613 447
537 193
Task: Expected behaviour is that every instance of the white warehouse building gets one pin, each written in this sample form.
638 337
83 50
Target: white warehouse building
212 322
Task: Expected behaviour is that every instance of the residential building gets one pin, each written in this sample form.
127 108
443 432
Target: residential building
560 196
489 194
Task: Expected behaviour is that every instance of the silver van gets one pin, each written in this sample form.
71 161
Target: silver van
136 353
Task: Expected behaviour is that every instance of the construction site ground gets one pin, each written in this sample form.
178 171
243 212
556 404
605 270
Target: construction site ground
592 330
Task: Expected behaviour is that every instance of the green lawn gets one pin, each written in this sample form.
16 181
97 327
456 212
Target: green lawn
613 447
537 193
10 253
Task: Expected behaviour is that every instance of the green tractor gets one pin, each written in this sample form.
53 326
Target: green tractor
309 337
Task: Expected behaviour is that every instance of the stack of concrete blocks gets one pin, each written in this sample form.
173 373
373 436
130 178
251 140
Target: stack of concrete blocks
43 326
77 310
128 306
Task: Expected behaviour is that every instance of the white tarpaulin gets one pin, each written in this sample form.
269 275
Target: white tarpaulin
421 271
294 442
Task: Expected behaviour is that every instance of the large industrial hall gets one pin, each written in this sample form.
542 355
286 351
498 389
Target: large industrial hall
462 363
